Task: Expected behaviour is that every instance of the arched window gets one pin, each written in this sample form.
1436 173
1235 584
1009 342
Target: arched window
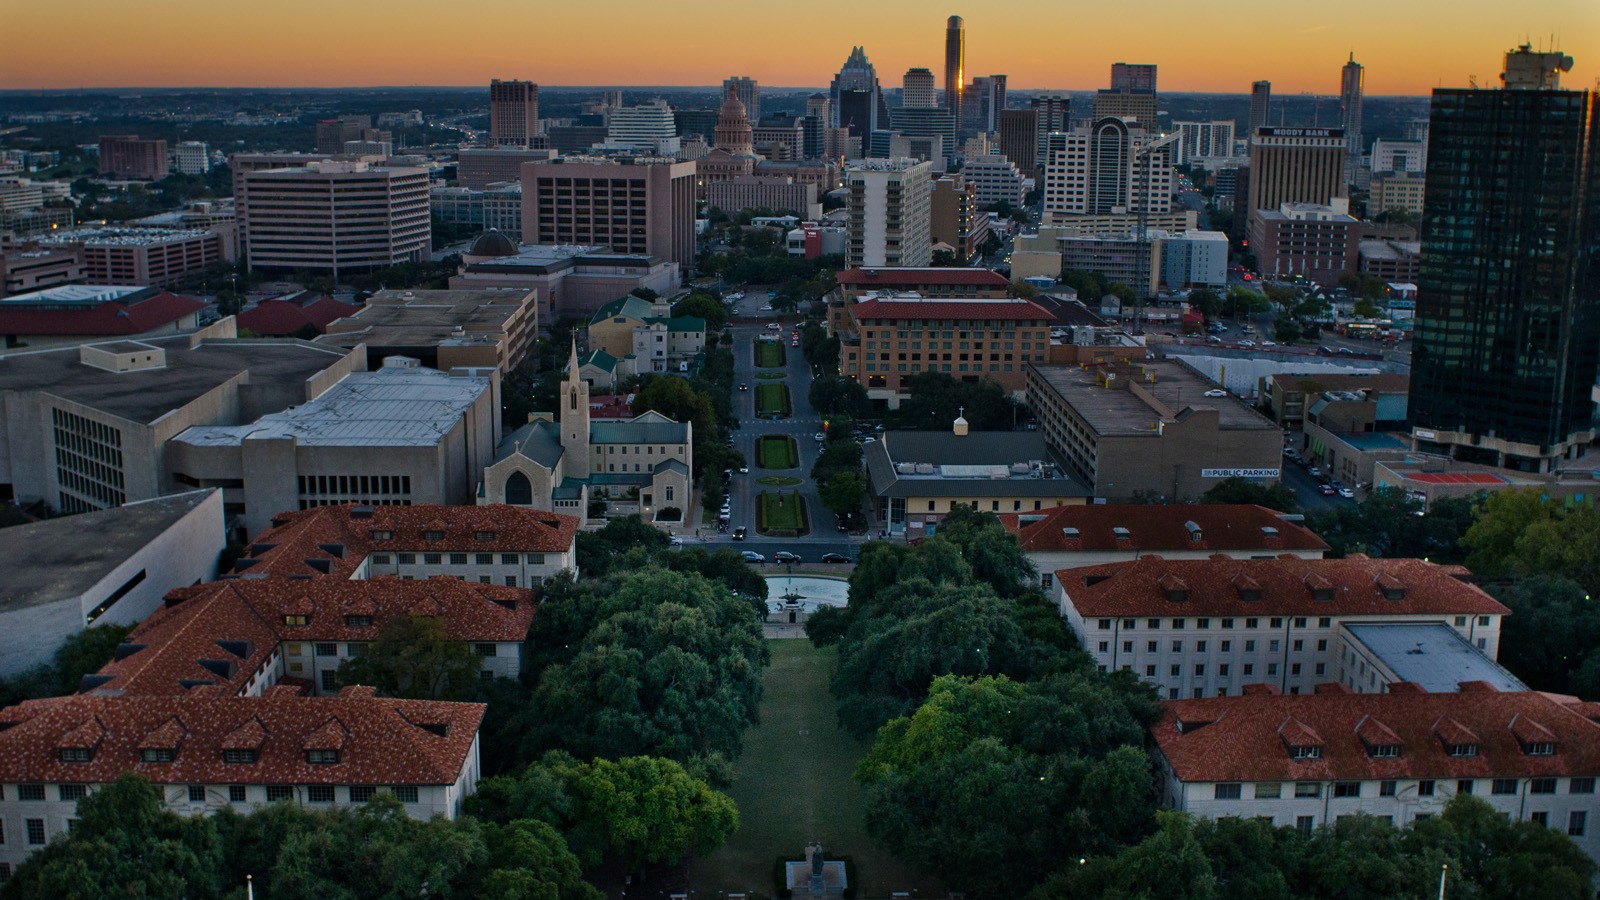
519 490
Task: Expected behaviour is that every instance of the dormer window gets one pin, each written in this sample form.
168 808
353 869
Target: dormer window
484 535
240 756
1541 748
1175 588
294 619
433 535
1461 749
1384 751
157 755
358 621
322 757
1308 751
383 535
1193 528
75 754
1121 534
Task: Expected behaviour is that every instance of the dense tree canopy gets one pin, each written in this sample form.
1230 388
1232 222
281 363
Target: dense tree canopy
414 658
1519 533
835 395
1388 523
1239 490
1551 640
707 307
936 399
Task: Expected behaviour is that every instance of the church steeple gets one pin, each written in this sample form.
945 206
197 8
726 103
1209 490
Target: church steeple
575 413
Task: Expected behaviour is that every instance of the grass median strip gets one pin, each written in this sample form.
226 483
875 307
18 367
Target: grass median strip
776 451
769 354
781 512
772 400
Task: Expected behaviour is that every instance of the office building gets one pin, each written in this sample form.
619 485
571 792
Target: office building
889 209
1194 259
1133 77
856 96
205 750
955 221
1295 165
191 158
765 192
332 216
101 568
928 281
981 104
1095 534
1201 141
443 329
1312 760
997 179
32 266
1351 80
476 169
1315 242
648 127
20 194
1209 627
399 435
158 257
748 90
1149 429
513 113
1396 262
333 134
1396 191
1110 166
977 330
1054 115
640 207
88 427
955 67
1260 105
566 279
1019 139
926 122
919 91
126 156
75 313
1508 307
919 477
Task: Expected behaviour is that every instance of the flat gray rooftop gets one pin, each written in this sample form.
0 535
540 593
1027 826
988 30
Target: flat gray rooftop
1431 654
1119 411
147 395
43 562
416 318
980 463
392 407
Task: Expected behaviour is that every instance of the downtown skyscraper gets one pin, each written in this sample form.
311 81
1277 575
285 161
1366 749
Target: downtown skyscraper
1507 341
1260 105
513 113
1351 80
955 66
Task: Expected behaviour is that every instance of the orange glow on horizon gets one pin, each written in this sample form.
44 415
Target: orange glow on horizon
1408 47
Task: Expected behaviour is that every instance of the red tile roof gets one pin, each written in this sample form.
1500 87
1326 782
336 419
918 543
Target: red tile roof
285 316
945 310
113 317
384 741
1288 587
338 538
1156 528
224 632
904 277
1454 477
1245 738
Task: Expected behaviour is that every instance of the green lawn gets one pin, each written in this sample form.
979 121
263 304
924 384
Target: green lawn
772 376
776 451
794 787
769 354
772 400
781 512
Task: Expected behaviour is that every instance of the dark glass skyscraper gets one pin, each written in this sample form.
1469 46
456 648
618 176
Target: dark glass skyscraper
1508 315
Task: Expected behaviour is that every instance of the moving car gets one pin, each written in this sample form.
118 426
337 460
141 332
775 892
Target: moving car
739 533
1326 490
744 470
743 386
835 558
819 437
785 556
1216 392
752 556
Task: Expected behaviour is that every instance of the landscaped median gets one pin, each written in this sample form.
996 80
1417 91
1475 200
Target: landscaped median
770 355
776 451
780 514
772 400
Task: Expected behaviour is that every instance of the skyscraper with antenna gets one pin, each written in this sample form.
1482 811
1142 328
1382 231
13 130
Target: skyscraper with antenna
1351 79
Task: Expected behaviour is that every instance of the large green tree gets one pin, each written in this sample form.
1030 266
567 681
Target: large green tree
1551 640
835 395
414 658
704 306
1389 523
1520 533
1239 490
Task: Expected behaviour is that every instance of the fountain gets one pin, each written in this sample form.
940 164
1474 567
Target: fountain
793 598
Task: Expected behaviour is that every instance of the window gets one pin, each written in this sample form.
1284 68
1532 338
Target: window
380 559
157 755
1252 623
1581 786
405 793
484 559
327 649
319 793
1249 646
1150 671
1104 625
1227 792
276 792
358 621
1304 824
1299 622
1387 788
1299 645
1227 623
1151 646
1540 818
5 872
1307 789
1202 623
1576 823
484 649
1461 621
1105 646
361 793
1542 786
1272 645
1462 749
1152 623
1322 646
407 559
1268 790
1383 751
322 757
1222 670
511 581
1177 624
239 756
1127 646
74 754
1541 748
1199 670
330 679
36 831
1504 786
1249 669
1464 786
236 793
1272 668
433 535
1425 788
1277 621
1177 646
508 559
197 793
70 793
1347 789
432 559
1176 670
295 620
1200 646
458 559
1227 646
1294 668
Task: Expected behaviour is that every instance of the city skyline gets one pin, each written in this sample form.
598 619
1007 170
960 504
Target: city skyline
1298 48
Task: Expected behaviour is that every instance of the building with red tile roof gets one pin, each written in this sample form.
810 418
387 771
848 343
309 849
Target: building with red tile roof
930 281
1311 759
77 311
290 315
489 544
1202 627
207 750
246 635
1072 536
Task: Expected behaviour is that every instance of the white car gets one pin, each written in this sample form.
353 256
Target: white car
1346 493
1247 343
1269 343
766 307
1216 392
819 437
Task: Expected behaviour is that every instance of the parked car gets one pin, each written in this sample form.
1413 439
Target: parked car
835 558
752 557
785 556
739 533
819 437
1216 392
1346 493
1313 471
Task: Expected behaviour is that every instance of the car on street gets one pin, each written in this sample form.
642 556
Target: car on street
1216 392
785 556
774 326
767 307
1346 493
739 533
675 541
752 556
819 437
1326 490
870 440
1269 343
743 386
1313 471
1247 343
744 470
835 558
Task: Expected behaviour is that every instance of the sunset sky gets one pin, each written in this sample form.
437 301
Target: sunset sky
1408 46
